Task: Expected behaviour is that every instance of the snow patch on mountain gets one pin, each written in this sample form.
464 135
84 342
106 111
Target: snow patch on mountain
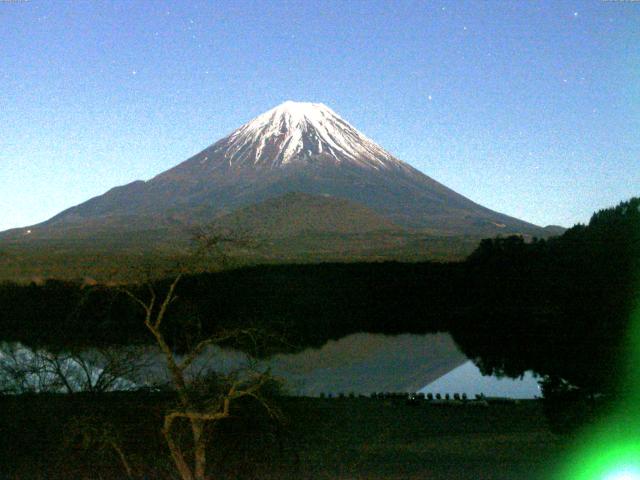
297 132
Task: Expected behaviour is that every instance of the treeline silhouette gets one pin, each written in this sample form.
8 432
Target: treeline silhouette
560 307
304 304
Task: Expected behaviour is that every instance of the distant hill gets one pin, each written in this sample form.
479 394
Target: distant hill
297 213
554 230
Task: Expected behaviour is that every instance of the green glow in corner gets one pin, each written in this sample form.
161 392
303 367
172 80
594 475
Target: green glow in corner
611 451
605 460
625 473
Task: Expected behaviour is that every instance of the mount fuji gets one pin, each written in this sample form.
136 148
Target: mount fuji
299 162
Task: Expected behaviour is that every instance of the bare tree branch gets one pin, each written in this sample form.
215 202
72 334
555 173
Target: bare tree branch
217 405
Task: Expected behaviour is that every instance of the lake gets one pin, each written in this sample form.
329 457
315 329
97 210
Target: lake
360 364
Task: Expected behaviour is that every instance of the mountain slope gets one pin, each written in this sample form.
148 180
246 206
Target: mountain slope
303 214
295 147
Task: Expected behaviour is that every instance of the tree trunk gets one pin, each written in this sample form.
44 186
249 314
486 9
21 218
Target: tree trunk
176 453
200 452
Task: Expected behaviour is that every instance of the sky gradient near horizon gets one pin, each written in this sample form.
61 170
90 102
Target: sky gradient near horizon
531 108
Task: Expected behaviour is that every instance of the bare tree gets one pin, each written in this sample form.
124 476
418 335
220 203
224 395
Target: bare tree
24 369
17 372
199 407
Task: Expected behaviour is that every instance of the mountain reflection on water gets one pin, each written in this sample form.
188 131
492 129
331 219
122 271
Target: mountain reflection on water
361 363
468 379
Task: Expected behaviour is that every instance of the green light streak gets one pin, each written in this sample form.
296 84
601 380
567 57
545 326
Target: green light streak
611 450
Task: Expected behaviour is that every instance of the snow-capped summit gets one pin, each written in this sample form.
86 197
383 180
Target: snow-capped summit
301 132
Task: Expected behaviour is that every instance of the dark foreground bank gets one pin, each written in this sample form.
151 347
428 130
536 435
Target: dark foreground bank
86 436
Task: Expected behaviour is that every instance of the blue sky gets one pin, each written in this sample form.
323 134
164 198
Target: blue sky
531 108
